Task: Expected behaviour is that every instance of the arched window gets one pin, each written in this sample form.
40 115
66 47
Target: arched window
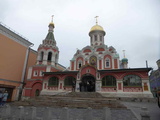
37 92
100 38
53 81
79 64
109 81
49 56
95 37
41 56
132 80
107 62
69 81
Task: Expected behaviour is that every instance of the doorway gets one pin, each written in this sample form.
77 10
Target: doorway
87 84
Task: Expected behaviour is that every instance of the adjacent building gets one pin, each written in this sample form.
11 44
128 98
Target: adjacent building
15 57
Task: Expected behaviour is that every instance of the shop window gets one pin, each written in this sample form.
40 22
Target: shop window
109 81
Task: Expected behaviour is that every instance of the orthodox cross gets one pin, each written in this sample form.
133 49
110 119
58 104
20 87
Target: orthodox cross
124 53
52 18
96 20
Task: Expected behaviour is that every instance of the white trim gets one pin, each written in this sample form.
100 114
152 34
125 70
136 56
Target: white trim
10 34
35 73
25 64
108 61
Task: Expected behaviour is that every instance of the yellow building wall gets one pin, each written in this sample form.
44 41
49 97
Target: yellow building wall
12 59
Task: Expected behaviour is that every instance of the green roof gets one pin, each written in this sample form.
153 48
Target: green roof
50 36
124 60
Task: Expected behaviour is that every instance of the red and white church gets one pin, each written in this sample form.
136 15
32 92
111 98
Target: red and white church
95 68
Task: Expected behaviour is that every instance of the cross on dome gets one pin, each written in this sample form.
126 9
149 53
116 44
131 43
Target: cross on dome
124 53
96 20
52 18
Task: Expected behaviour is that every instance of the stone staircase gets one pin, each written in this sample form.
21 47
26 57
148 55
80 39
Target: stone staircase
73 100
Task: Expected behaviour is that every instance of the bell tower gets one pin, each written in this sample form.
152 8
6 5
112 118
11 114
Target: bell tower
96 34
48 52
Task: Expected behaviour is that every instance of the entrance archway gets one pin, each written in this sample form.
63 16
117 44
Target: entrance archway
87 84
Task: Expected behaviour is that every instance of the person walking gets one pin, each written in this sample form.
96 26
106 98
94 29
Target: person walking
4 99
1 95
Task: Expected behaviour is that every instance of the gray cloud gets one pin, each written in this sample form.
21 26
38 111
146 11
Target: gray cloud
130 25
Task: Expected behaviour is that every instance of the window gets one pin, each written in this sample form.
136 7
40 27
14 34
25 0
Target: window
53 81
88 71
100 38
109 81
95 37
107 63
35 73
37 92
41 73
69 81
49 56
79 64
41 56
132 80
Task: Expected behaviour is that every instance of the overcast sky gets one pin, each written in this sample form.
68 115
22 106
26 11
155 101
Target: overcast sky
130 25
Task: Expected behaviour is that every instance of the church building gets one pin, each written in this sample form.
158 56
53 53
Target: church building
95 68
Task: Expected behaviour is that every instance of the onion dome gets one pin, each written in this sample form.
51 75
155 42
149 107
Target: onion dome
51 24
97 27
124 60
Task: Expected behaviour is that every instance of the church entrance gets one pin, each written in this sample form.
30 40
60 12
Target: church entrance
87 84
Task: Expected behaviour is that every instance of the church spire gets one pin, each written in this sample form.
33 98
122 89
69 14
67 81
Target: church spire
50 35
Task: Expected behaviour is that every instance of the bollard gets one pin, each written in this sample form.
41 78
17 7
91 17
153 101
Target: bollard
89 115
65 114
33 114
47 114
107 113
8 111
144 114
21 112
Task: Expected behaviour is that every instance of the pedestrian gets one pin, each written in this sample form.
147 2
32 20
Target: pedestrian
1 95
4 99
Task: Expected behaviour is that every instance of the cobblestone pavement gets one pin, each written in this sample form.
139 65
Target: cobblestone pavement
73 113
135 107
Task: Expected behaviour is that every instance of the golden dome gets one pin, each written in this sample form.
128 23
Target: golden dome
96 27
51 23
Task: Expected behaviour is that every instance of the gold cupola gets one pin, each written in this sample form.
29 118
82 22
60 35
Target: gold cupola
51 23
97 27
97 34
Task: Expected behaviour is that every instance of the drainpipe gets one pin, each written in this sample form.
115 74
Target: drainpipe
24 73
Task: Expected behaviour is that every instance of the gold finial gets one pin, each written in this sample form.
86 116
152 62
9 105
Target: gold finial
96 20
52 18
124 53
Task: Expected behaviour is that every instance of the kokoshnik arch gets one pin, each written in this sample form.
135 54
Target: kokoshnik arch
95 68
